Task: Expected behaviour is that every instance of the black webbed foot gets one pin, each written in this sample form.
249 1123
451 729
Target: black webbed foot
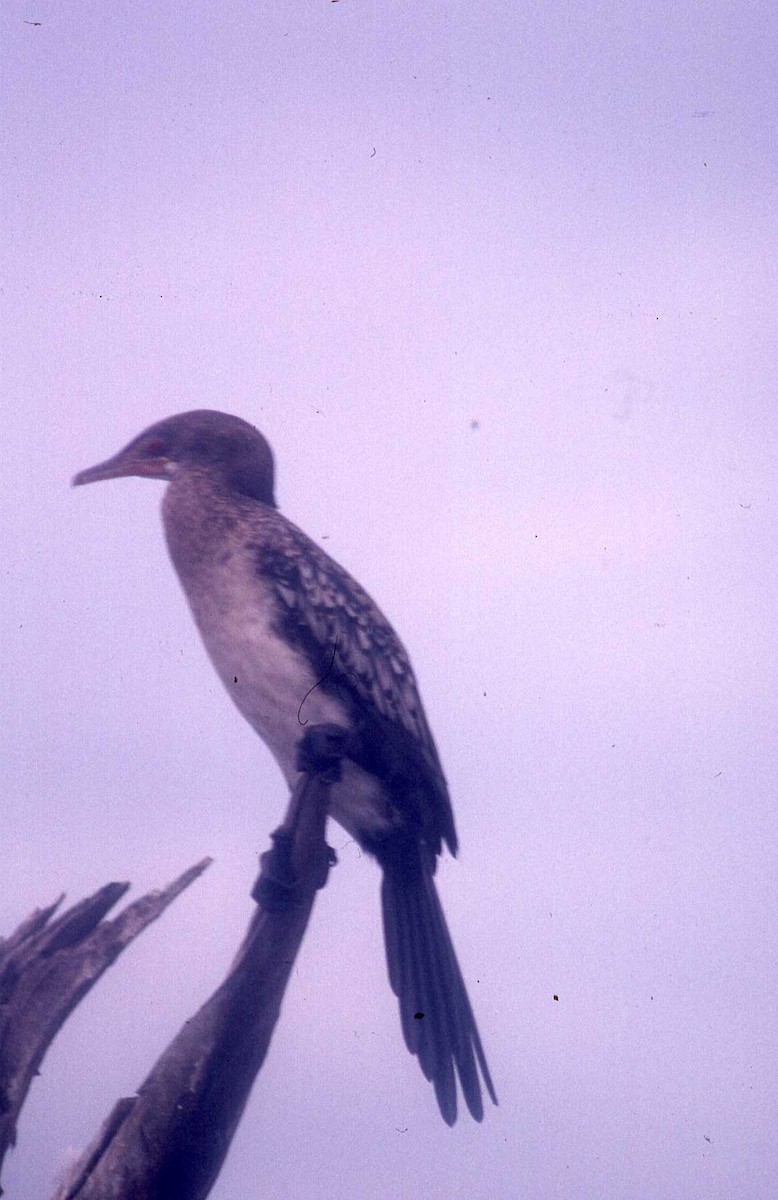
320 750
299 860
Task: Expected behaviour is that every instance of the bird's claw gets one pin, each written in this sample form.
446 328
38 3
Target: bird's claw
299 860
320 750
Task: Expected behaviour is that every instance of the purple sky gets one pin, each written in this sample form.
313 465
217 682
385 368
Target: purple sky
497 282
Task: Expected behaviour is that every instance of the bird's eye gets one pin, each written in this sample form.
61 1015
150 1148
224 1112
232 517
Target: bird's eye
154 447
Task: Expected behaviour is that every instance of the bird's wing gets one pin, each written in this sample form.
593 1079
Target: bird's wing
356 654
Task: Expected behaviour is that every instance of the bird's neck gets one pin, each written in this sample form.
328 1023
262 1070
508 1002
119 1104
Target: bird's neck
202 519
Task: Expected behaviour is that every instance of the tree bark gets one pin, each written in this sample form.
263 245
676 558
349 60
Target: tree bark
47 966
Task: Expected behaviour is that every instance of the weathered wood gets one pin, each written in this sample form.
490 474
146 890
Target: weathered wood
169 1141
47 966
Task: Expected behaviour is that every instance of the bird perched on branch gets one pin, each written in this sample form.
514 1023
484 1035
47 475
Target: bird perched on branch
296 640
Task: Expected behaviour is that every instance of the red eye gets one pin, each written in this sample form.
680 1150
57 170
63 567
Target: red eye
154 447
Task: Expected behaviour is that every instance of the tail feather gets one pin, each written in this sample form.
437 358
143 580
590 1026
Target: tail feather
399 958
459 1023
429 1009
437 1019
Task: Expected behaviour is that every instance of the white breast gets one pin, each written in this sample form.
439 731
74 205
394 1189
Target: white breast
271 683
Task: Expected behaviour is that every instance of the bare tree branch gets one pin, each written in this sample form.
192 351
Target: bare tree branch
47 966
171 1139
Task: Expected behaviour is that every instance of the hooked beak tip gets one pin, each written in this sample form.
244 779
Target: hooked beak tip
117 468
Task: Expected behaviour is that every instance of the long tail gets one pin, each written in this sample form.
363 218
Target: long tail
437 1020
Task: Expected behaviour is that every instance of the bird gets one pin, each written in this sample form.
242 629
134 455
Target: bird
296 640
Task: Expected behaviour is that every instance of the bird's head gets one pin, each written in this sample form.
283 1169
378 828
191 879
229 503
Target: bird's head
227 447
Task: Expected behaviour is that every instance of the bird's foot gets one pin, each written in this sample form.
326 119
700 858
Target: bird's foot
320 750
299 861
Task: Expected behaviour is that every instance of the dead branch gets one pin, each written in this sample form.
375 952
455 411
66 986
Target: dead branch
170 1140
47 966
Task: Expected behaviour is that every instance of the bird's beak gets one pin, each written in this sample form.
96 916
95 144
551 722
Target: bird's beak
126 463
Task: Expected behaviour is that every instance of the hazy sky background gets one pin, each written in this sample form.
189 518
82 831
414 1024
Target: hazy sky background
497 282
